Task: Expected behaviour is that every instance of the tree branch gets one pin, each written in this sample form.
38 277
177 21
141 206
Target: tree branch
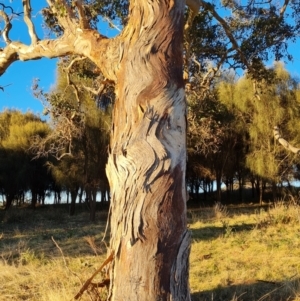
88 282
27 20
88 43
77 39
16 51
228 32
63 13
100 89
7 27
69 81
283 142
283 8
84 24
195 5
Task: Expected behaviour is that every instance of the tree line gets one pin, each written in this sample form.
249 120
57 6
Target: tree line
230 142
65 152
231 138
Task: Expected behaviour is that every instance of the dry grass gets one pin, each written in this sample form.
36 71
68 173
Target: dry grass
238 254
246 256
33 267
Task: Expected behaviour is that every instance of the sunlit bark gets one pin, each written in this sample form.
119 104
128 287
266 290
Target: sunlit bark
146 167
147 160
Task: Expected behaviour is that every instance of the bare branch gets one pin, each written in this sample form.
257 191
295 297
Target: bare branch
15 51
105 53
95 91
283 8
100 89
112 23
283 142
88 282
64 259
83 22
10 8
69 81
2 87
7 27
27 20
67 125
79 43
59 143
228 32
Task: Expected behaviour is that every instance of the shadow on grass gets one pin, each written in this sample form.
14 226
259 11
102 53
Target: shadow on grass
213 232
24 229
254 291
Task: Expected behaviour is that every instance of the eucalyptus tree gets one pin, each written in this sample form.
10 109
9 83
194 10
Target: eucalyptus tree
147 156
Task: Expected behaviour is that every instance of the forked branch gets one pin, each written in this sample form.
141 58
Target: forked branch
77 39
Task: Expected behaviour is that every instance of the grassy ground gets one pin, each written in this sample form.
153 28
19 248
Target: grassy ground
239 253
244 254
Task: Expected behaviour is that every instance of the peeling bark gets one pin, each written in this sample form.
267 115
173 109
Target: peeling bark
147 160
146 167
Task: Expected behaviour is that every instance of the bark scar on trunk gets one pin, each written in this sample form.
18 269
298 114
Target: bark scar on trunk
180 269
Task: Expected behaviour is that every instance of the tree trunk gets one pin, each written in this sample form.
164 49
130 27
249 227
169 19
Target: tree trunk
80 195
240 178
9 200
218 184
92 199
74 193
147 161
34 197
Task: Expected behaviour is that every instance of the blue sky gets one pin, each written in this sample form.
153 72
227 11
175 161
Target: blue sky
20 75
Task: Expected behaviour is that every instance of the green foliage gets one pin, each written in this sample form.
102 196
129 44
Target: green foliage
243 36
275 104
80 129
231 131
18 171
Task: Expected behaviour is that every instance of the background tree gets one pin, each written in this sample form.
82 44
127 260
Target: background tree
214 138
277 104
79 140
18 171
